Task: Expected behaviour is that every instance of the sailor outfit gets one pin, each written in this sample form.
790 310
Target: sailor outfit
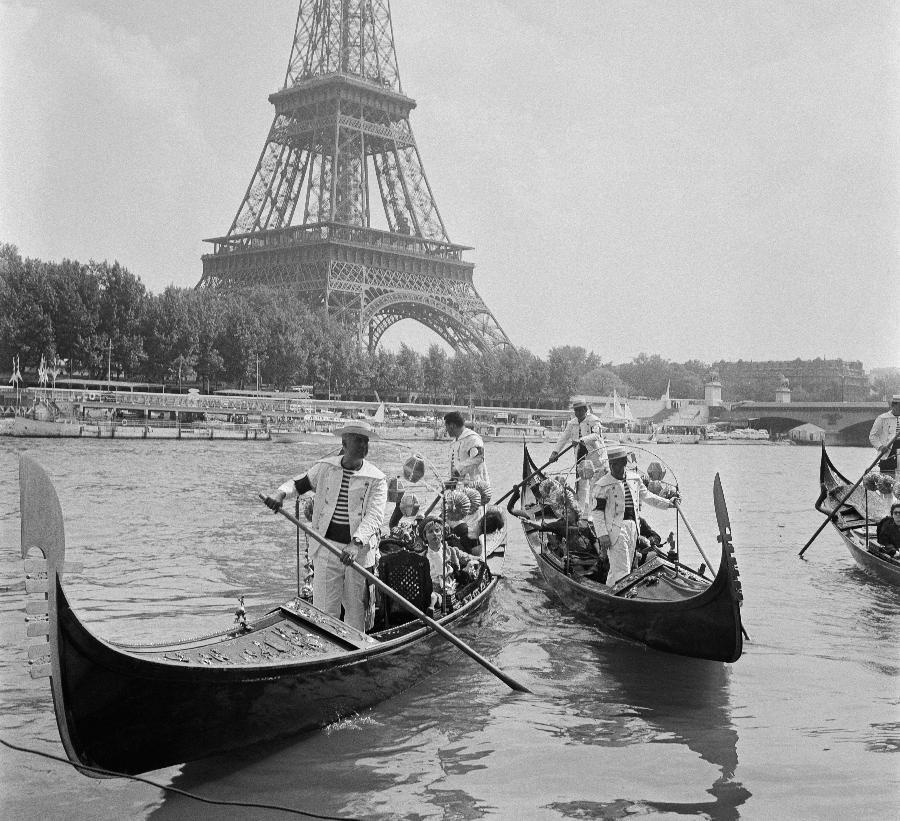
591 450
620 517
885 431
349 506
466 460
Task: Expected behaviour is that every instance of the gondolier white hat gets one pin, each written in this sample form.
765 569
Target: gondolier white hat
579 403
359 428
895 398
616 452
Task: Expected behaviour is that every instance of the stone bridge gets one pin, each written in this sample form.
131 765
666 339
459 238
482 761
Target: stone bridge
845 423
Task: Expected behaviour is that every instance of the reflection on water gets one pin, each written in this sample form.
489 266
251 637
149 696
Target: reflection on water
686 702
170 534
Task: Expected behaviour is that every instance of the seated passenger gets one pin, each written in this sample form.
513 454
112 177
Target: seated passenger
449 565
466 535
404 522
648 543
888 531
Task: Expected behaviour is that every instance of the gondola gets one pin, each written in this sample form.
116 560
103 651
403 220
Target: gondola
663 603
130 708
855 519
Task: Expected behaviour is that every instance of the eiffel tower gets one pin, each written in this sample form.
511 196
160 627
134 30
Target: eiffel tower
340 139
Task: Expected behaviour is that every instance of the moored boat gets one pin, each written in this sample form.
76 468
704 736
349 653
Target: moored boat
627 431
129 708
511 432
663 603
855 518
678 435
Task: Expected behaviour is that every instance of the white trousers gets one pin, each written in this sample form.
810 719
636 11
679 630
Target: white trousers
336 584
621 551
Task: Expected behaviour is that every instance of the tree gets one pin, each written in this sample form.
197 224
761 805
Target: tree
435 372
73 311
466 371
410 370
122 303
600 382
647 375
26 298
566 364
171 335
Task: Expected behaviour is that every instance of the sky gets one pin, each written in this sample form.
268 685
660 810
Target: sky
697 179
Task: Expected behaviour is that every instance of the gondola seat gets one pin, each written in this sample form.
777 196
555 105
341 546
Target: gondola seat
409 574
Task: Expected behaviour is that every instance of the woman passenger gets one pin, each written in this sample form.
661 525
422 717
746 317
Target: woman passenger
888 531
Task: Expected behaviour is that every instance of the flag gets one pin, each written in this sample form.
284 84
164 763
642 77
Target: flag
16 377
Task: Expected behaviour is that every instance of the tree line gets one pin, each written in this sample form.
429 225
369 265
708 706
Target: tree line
99 316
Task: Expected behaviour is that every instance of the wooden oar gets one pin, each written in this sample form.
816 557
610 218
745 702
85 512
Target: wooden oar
297 514
881 455
693 536
534 473
388 590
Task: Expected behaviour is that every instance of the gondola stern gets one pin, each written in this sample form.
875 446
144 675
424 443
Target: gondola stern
728 574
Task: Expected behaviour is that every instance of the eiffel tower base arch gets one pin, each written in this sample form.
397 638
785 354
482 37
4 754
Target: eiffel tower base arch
366 290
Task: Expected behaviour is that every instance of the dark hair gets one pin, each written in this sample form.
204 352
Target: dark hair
454 418
894 507
427 521
492 521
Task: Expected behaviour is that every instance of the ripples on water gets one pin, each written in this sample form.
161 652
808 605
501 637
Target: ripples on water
805 725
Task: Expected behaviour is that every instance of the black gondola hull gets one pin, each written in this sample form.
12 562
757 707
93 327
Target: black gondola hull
855 520
706 626
133 708
662 604
127 714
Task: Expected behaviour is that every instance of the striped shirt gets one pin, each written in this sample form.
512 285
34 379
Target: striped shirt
339 527
629 503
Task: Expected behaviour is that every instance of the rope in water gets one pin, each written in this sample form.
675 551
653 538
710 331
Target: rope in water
194 796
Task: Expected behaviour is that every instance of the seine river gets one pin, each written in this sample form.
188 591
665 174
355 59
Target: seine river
805 725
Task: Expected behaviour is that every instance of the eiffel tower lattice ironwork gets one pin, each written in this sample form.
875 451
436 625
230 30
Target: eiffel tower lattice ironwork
340 140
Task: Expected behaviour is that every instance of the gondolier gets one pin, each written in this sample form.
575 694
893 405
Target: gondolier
616 511
586 430
886 431
466 451
348 510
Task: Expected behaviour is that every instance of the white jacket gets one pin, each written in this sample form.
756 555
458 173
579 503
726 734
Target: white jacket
609 520
886 427
366 500
575 430
465 457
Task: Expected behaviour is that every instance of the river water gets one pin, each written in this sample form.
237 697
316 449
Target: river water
805 725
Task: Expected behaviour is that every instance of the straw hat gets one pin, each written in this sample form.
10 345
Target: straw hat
616 452
359 428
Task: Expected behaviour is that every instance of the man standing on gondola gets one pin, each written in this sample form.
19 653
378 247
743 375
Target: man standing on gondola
466 451
348 510
590 456
617 499
886 431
